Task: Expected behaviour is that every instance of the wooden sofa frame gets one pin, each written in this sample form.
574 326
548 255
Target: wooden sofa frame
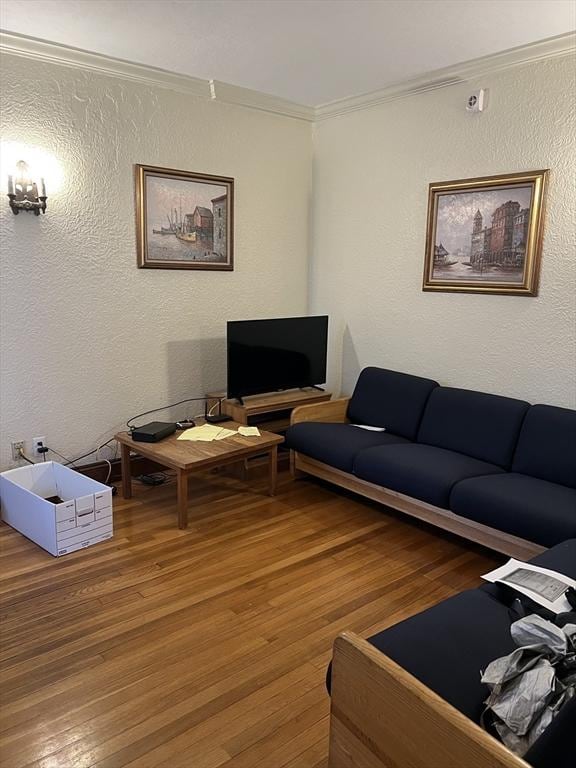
334 411
383 717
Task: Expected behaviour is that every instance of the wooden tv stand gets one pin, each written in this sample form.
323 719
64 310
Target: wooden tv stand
271 411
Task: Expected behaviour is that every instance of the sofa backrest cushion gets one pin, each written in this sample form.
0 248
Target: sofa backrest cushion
391 400
483 426
547 445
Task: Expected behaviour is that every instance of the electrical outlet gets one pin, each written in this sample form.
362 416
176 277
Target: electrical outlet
38 442
17 446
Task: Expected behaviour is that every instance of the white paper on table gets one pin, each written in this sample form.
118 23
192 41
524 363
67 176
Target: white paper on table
225 433
249 431
205 433
545 587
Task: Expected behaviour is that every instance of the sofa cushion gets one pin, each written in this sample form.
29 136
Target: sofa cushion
523 506
335 444
561 558
447 646
391 400
483 426
547 445
421 471
555 747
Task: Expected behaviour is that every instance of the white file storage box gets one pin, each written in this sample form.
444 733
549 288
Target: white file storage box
59 509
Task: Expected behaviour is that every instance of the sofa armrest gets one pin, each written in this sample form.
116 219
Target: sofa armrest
330 411
382 716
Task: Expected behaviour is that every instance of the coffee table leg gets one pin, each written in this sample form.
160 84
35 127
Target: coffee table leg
182 480
126 472
272 470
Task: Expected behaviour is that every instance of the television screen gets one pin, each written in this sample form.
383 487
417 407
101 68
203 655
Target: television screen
270 355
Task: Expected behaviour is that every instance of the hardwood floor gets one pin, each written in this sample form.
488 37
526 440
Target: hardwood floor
205 647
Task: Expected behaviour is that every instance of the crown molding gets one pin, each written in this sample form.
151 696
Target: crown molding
561 45
41 50
245 97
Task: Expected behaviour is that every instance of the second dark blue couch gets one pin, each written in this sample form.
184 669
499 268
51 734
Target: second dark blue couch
493 468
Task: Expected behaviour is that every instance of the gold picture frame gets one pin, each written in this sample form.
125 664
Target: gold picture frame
184 220
484 235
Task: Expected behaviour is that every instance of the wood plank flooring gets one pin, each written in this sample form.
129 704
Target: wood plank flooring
205 647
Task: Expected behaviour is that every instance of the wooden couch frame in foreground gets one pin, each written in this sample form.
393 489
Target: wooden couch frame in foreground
383 717
334 411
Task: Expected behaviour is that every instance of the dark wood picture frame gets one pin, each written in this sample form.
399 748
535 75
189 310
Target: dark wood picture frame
494 251
184 220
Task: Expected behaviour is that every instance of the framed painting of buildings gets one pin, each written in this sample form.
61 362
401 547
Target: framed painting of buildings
184 220
484 235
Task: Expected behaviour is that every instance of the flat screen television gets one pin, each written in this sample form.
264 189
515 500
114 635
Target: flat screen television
271 355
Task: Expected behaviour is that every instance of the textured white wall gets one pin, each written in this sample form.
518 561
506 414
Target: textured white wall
371 174
87 338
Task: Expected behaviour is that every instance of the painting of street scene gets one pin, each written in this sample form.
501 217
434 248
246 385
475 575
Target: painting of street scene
481 235
184 219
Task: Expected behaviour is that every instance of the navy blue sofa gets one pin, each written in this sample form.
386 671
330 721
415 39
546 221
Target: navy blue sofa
448 645
492 468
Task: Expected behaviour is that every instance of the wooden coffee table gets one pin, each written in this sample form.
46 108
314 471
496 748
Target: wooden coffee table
185 457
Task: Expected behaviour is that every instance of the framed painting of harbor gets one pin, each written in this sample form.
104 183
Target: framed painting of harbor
184 219
484 235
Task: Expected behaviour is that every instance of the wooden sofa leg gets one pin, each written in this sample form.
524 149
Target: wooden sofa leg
295 473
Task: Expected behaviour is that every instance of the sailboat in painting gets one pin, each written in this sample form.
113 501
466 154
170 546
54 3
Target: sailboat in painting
175 225
440 257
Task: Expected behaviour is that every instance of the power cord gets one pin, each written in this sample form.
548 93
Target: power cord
69 462
84 455
23 456
211 411
165 407
43 450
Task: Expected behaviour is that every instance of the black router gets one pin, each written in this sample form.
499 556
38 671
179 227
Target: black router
153 432
217 417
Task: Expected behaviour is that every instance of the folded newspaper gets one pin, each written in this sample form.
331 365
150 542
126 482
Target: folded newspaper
546 587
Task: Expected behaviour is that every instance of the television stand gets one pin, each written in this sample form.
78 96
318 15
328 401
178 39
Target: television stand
271 411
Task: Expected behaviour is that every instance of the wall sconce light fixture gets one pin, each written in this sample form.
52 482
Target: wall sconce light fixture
23 192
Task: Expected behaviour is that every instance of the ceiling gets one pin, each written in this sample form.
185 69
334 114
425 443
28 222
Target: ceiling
308 51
